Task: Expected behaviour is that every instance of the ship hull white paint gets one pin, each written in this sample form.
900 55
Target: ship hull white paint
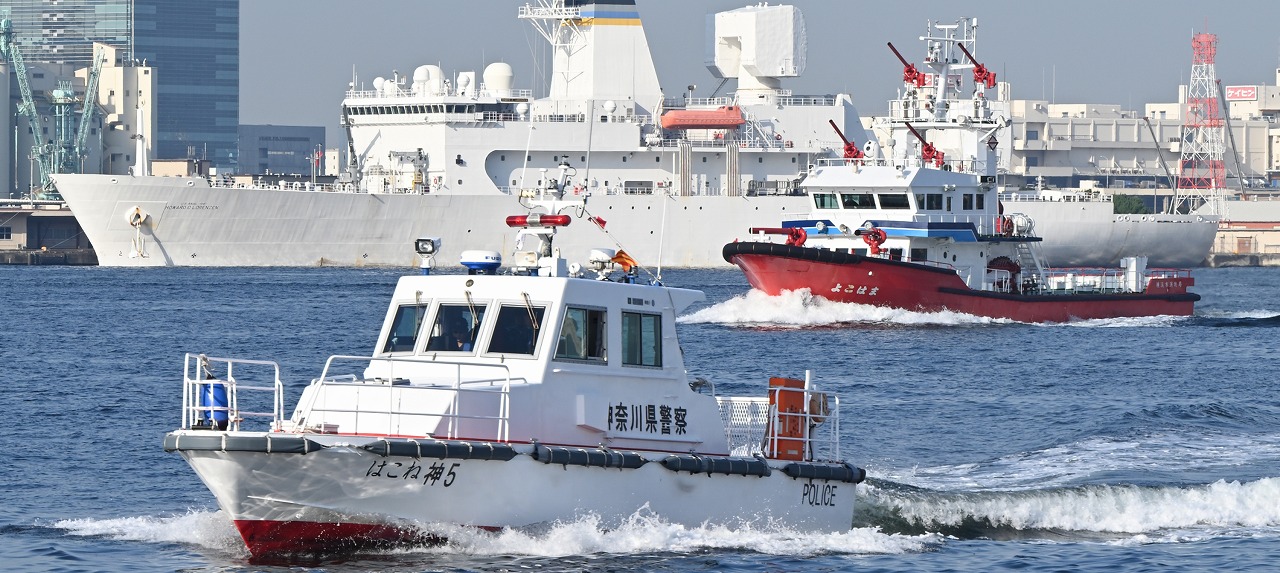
1088 233
191 224
351 485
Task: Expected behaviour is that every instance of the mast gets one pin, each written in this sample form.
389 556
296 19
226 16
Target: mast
1201 176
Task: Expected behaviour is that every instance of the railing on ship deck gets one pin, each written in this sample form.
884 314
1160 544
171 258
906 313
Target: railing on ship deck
748 424
214 403
456 386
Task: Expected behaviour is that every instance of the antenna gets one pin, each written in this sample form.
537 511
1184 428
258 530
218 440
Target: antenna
1201 176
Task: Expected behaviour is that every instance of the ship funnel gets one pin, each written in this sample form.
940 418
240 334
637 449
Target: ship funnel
758 45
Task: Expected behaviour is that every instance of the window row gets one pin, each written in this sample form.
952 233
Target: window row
890 201
517 330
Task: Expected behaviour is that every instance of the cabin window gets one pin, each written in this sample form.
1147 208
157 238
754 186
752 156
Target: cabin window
966 202
516 330
895 254
948 203
455 328
582 335
894 201
641 339
857 201
825 201
980 201
405 327
919 255
933 201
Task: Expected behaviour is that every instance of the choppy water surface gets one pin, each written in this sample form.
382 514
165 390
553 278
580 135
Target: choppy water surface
1142 444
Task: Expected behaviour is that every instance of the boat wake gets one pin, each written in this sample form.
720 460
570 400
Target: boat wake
1112 513
641 534
799 309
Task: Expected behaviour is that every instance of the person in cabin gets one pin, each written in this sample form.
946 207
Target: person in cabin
571 340
459 336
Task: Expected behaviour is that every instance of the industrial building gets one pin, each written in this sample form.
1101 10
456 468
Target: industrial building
194 47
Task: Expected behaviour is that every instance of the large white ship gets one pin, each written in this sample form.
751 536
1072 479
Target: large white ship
670 180
1081 228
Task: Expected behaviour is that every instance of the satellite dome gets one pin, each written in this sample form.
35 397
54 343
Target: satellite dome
497 78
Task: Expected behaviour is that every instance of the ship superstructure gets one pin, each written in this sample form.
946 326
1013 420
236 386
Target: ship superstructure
433 153
430 146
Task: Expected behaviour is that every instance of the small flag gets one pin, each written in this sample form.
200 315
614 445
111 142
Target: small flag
599 221
622 258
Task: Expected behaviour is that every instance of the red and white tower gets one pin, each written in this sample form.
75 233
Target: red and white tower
1201 176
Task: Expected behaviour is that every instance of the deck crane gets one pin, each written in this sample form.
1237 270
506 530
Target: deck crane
352 174
39 150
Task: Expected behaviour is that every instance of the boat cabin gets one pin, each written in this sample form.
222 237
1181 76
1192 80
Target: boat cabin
558 360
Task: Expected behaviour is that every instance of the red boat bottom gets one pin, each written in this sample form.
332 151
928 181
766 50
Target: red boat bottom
284 538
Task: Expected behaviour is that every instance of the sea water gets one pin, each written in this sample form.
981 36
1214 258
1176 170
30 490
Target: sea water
1148 444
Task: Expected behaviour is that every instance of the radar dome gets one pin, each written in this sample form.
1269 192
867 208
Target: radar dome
435 79
497 78
522 108
610 106
377 83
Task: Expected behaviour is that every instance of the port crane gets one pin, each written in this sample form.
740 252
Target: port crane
66 151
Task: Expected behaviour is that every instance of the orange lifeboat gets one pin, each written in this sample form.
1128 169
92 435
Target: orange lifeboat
723 117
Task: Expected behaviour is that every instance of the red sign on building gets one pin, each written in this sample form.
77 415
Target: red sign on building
1241 93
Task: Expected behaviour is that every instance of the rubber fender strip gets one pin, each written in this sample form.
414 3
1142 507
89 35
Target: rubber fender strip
844 471
443 449
220 442
726 465
588 457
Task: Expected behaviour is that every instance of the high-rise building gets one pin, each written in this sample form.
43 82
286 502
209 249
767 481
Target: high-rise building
194 47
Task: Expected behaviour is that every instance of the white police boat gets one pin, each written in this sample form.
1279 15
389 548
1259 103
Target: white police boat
511 399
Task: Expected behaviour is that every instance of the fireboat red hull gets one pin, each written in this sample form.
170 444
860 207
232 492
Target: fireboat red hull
846 277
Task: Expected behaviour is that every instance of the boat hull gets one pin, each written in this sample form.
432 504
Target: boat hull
1090 234
192 224
189 223
850 278
344 496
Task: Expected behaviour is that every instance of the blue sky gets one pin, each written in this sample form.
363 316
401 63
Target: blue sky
298 55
